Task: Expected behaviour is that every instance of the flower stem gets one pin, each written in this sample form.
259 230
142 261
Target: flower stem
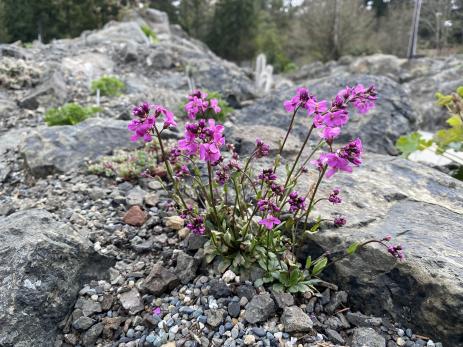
168 168
289 129
299 155
211 192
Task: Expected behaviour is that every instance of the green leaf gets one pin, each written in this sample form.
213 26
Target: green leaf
460 91
308 262
223 265
209 258
455 121
411 143
443 100
319 266
259 282
352 248
278 287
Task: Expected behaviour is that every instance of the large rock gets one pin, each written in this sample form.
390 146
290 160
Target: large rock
88 66
52 92
424 78
44 263
295 319
260 308
116 32
63 148
423 210
367 337
160 280
379 129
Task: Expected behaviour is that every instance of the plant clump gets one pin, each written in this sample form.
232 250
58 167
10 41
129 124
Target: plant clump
128 166
108 86
254 216
69 114
150 34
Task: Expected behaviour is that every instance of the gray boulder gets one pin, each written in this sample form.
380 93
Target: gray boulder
423 210
116 32
44 263
51 92
367 337
392 117
160 280
187 267
259 309
63 148
424 78
295 319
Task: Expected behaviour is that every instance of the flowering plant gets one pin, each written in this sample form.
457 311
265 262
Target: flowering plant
254 217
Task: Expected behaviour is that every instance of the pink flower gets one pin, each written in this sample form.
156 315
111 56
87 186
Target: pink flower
142 128
168 116
216 132
363 105
189 144
336 164
157 311
300 99
329 134
318 121
316 107
209 152
336 118
269 222
195 105
352 152
396 251
262 150
334 196
340 221
183 171
214 104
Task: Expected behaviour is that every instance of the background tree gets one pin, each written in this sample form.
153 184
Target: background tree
27 20
233 29
194 16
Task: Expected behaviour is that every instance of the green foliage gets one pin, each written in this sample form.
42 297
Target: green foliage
108 86
69 114
127 165
448 138
26 20
150 34
411 143
233 29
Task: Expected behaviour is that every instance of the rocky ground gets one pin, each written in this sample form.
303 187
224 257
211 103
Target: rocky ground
93 261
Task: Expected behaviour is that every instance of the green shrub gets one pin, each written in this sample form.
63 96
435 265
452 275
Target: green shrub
448 138
108 86
127 165
69 114
149 33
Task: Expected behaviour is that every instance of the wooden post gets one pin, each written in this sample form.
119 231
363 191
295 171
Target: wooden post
414 30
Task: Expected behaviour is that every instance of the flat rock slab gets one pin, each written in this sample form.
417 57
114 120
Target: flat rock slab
44 263
60 149
423 211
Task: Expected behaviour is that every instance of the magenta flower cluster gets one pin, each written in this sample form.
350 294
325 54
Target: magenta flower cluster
147 116
199 104
204 138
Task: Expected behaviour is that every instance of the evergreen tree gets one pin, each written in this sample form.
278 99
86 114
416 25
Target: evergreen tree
27 20
194 17
233 29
